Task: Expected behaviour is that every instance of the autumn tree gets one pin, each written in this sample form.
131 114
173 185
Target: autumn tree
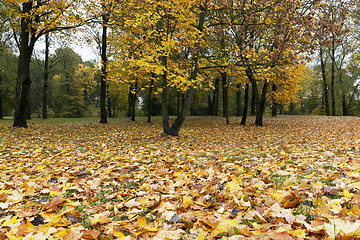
31 20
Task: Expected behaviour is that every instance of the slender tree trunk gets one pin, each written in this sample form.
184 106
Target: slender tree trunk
261 106
130 98
133 106
225 96
210 104
253 100
332 86
246 105
103 114
343 96
178 102
274 104
46 78
109 106
325 87
216 97
1 96
149 110
23 82
238 100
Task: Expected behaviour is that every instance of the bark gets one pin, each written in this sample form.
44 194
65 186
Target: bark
343 96
274 104
46 78
103 114
246 105
261 106
23 81
133 101
130 98
225 97
332 85
178 102
216 97
149 110
253 100
109 106
238 100
325 87
1 95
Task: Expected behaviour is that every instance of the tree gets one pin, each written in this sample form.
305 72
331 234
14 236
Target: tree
33 19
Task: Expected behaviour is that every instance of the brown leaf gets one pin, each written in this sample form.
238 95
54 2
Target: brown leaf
54 205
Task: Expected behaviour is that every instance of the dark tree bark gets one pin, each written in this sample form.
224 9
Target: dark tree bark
246 105
225 97
109 106
178 102
133 101
261 106
274 104
23 81
238 100
213 99
343 96
332 85
325 87
253 100
130 98
103 114
46 78
1 95
149 110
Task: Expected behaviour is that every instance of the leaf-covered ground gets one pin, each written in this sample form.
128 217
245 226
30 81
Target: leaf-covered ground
295 178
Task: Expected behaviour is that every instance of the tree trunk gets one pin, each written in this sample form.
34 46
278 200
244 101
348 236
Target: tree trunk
1 95
261 106
149 110
274 104
103 114
225 97
332 86
343 96
133 101
178 102
130 98
46 78
246 105
238 100
109 106
253 100
216 97
23 82
325 87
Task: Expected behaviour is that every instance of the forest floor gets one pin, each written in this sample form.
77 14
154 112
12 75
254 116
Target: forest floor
297 177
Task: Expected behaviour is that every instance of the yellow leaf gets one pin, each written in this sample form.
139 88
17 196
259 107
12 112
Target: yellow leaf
151 229
299 233
119 234
347 194
141 220
62 233
201 237
187 201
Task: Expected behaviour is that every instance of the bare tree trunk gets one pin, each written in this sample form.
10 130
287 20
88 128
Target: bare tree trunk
332 86
238 100
46 78
246 105
261 106
274 104
325 87
23 82
216 97
130 98
225 97
133 106
253 100
343 96
1 96
149 110
103 114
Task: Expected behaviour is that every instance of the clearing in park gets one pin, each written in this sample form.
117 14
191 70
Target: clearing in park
297 177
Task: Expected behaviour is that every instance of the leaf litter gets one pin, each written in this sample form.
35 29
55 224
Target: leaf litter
295 178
